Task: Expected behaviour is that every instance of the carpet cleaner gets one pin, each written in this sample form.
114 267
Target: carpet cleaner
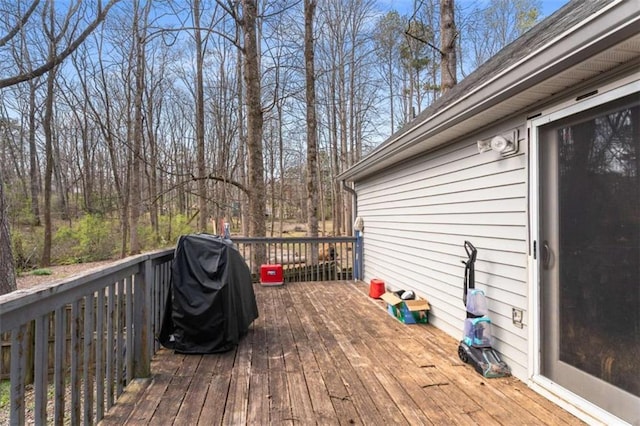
476 345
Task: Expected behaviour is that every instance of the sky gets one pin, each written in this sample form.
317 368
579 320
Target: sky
403 6
550 6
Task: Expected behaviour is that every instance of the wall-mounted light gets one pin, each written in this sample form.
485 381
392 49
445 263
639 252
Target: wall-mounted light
505 144
484 146
358 225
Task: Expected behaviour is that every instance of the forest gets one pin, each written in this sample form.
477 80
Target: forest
124 124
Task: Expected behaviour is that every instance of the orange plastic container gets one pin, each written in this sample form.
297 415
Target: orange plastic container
376 288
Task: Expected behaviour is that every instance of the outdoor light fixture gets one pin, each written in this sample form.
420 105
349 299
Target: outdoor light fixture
484 146
500 144
506 144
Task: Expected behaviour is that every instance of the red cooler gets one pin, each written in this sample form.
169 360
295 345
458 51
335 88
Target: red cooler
271 275
376 288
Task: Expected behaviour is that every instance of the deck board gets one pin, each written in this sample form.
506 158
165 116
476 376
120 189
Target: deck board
325 353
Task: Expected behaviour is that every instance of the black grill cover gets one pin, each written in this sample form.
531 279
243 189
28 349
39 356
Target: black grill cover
211 302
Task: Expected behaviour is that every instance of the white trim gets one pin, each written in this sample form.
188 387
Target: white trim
573 403
534 263
605 94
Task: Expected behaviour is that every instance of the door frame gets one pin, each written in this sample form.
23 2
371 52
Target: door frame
568 400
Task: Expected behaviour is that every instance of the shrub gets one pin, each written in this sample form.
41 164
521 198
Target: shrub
26 247
65 245
89 240
95 240
147 237
17 245
171 227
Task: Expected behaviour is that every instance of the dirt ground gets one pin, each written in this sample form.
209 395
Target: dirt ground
28 280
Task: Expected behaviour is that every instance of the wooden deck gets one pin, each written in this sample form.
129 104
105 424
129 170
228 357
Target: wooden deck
325 353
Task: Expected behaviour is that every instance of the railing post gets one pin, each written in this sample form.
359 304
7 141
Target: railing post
142 321
357 264
18 367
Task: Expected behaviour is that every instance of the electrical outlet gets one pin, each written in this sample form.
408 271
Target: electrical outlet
516 315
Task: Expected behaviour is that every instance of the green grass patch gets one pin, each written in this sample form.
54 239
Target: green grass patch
5 393
42 271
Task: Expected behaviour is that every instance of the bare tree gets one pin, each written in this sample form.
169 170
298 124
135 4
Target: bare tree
21 55
448 35
140 19
51 61
33 155
193 135
250 48
256 188
312 132
485 29
387 37
7 280
199 121
346 61
107 110
156 88
416 59
53 39
7 269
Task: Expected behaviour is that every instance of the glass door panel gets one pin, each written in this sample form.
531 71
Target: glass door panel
590 251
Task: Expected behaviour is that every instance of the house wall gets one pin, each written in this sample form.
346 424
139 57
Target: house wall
418 215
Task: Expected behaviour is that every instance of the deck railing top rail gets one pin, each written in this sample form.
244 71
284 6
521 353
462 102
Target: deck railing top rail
280 240
27 304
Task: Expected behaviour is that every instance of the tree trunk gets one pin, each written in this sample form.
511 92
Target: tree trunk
202 173
88 175
344 148
33 156
61 179
391 94
254 122
271 177
336 201
136 175
312 133
242 149
447 45
151 168
283 209
7 269
48 138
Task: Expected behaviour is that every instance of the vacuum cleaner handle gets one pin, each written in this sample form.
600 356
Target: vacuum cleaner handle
469 270
471 251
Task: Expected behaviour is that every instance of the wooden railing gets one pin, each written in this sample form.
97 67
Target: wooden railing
74 345
96 331
302 258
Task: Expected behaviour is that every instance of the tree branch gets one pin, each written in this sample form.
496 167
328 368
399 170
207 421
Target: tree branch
238 185
57 60
20 24
408 33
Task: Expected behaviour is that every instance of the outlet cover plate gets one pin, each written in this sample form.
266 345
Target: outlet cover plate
516 315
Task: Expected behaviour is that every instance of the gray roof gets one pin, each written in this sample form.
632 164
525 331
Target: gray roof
579 30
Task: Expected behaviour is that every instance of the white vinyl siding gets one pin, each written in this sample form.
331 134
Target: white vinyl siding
418 215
